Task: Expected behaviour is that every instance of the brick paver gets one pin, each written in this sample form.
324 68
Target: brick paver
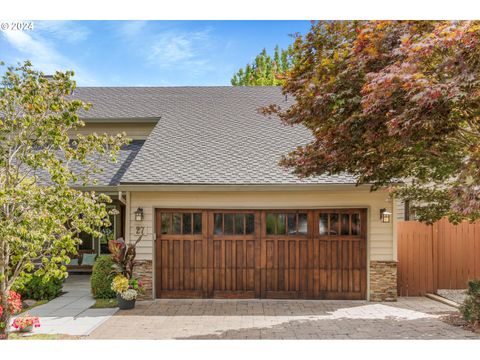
409 318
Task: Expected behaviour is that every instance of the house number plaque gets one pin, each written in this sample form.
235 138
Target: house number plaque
139 230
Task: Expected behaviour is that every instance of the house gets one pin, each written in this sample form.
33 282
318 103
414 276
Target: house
219 217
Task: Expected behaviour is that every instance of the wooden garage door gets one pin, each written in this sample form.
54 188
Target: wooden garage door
233 254
308 254
339 254
285 243
180 253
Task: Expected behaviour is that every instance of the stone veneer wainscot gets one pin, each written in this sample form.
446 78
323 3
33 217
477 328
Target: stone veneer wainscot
383 281
143 271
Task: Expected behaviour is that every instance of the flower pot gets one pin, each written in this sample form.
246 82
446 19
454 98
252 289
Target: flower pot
125 304
26 329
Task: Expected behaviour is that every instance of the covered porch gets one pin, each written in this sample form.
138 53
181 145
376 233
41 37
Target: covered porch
92 247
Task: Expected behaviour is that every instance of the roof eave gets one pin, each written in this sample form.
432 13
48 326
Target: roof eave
121 119
239 187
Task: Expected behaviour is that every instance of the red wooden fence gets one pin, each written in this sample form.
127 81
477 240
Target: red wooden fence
438 256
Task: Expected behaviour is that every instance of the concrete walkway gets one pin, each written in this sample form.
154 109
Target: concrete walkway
70 313
409 318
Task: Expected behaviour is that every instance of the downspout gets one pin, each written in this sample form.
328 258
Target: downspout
394 229
127 217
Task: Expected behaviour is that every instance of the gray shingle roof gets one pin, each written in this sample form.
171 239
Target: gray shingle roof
206 135
111 172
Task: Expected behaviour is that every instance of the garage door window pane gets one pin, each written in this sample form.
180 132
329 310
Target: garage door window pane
302 224
323 224
187 223
355 224
239 225
270 224
292 224
165 223
281 224
250 224
228 224
218 224
345 224
177 219
334 224
197 223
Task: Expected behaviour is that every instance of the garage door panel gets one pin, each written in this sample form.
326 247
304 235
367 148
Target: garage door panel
340 270
231 270
179 266
286 266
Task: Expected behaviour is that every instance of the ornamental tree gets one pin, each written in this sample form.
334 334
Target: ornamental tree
395 103
41 212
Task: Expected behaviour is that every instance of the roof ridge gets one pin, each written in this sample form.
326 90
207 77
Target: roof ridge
182 87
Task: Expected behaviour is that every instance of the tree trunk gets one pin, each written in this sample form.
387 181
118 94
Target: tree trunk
5 318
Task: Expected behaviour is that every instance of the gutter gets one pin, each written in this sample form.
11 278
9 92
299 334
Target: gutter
240 187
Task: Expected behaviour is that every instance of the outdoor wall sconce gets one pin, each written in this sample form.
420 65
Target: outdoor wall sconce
385 216
139 214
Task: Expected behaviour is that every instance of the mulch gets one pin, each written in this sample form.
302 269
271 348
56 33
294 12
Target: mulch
457 320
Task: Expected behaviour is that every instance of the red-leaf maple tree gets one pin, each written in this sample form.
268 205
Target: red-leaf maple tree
395 103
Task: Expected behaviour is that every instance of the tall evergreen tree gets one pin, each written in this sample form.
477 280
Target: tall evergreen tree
264 70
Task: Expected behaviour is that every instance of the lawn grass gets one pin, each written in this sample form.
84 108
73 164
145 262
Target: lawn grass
20 336
104 303
38 303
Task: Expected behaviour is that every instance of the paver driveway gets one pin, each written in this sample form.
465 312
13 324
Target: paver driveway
409 318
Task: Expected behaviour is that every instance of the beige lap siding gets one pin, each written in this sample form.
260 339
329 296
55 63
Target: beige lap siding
381 242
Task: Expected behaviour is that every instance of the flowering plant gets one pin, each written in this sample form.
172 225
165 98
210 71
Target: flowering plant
135 284
14 306
120 284
127 289
129 294
25 321
14 301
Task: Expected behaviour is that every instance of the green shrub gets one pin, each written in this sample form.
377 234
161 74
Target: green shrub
38 288
471 307
101 280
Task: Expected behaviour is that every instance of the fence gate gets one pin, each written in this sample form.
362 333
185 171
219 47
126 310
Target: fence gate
438 256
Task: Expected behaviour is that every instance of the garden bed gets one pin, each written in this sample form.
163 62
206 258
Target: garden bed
457 296
456 319
104 303
20 336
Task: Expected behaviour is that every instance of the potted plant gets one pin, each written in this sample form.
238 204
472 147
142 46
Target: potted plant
126 290
124 284
26 323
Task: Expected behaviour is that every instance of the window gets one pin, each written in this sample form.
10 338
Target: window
181 223
87 241
100 244
233 224
286 224
108 233
339 224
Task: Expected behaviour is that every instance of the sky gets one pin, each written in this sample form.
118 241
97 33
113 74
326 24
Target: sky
146 53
